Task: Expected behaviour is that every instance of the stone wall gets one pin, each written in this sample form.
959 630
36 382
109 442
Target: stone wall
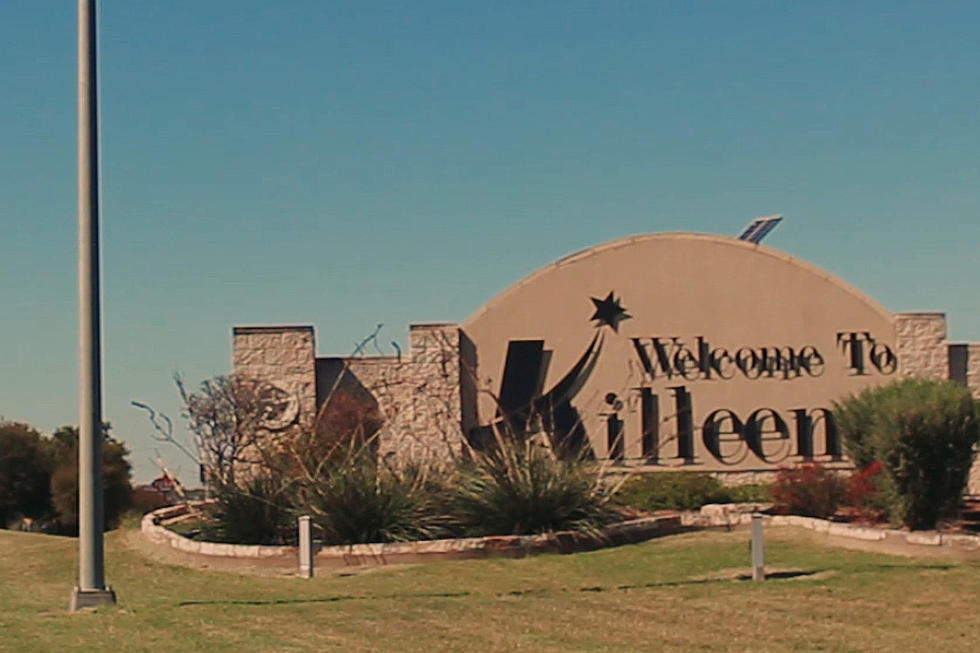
973 383
422 396
283 356
419 396
973 368
922 345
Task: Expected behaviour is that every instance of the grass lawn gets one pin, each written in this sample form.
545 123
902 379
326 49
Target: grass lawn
673 594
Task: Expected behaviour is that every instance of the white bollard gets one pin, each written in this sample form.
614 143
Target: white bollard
758 549
305 547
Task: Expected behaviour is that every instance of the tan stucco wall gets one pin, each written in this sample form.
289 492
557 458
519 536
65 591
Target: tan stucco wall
732 293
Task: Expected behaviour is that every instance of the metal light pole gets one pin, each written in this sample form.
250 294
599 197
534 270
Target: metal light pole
91 590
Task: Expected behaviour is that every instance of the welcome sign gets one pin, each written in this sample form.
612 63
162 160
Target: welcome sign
679 350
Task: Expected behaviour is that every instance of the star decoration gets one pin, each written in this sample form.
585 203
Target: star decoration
609 312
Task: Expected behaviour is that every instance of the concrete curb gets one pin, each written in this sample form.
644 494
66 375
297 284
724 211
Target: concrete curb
509 546
734 514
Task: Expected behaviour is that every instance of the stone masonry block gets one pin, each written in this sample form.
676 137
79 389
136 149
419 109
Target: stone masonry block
973 368
922 345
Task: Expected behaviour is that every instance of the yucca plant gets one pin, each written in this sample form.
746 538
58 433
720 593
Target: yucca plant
517 486
359 499
259 511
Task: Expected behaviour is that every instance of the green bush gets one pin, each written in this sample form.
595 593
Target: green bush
357 499
518 487
514 488
39 477
871 491
750 493
809 490
672 491
25 469
924 433
260 511
117 491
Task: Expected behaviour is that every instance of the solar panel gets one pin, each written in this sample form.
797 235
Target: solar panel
758 228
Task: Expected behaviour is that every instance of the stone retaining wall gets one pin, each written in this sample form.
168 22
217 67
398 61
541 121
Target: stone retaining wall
509 546
154 532
518 546
731 515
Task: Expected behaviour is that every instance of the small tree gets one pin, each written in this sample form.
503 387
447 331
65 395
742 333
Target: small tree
228 417
24 472
923 433
64 478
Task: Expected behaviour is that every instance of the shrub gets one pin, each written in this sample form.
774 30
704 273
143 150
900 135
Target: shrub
356 499
146 500
258 512
855 417
672 491
871 491
809 490
24 473
519 487
117 491
750 493
923 433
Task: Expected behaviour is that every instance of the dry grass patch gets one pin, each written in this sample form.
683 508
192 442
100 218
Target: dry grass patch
672 594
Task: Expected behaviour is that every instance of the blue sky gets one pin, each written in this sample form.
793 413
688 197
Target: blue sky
350 164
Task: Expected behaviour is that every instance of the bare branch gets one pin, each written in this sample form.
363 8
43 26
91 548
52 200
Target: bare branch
164 432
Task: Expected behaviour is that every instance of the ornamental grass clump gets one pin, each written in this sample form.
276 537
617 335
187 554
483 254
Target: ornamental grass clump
257 511
517 486
359 499
923 433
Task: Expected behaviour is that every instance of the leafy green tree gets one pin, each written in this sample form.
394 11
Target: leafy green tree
24 472
64 478
923 433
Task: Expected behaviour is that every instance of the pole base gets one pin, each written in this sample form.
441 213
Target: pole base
82 599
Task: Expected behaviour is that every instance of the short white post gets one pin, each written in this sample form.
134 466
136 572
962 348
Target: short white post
305 547
758 549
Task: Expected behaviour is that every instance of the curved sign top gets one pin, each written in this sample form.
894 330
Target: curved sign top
678 350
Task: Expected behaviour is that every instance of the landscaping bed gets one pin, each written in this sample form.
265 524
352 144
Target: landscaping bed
155 529
732 515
